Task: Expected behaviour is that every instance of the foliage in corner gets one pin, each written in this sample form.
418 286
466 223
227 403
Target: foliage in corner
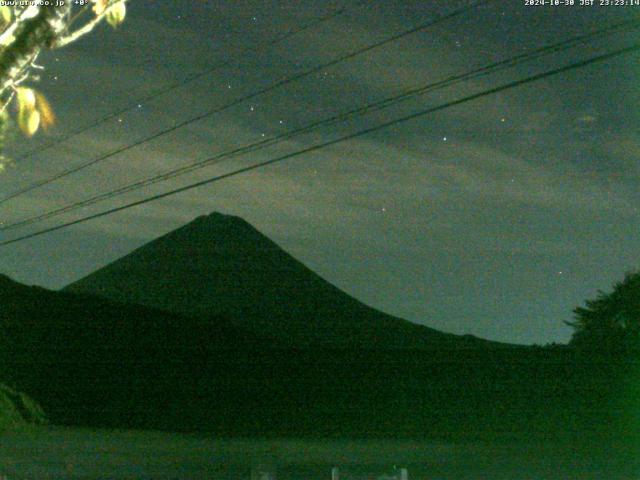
611 321
27 29
18 410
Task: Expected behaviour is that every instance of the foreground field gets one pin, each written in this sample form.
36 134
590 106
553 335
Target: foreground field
58 453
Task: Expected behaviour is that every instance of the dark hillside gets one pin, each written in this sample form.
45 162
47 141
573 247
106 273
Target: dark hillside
93 362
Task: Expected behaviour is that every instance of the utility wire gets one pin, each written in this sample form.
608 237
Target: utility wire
188 79
239 171
262 91
366 109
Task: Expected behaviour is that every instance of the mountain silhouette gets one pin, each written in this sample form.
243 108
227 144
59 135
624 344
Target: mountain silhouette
90 361
221 265
94 362
214 328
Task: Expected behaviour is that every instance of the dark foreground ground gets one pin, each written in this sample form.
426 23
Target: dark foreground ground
61 453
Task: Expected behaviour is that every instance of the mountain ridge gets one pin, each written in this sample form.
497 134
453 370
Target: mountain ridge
220 264
94 362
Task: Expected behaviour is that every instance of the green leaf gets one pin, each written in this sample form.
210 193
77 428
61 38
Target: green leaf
6 15
116 13
29 121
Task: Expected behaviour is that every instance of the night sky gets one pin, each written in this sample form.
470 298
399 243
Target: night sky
496 217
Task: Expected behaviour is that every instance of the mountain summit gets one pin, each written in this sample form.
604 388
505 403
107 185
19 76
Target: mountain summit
221 265
255 345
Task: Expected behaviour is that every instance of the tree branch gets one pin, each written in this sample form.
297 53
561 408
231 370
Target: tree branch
31 35
86 28
7 35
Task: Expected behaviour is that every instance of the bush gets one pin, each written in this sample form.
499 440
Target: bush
18 410
610 322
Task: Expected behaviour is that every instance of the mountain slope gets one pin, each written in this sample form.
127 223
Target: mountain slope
93 362
219 264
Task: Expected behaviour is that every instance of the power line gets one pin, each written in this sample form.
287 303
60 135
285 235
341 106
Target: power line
273 86
368 108
239 171
189 79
